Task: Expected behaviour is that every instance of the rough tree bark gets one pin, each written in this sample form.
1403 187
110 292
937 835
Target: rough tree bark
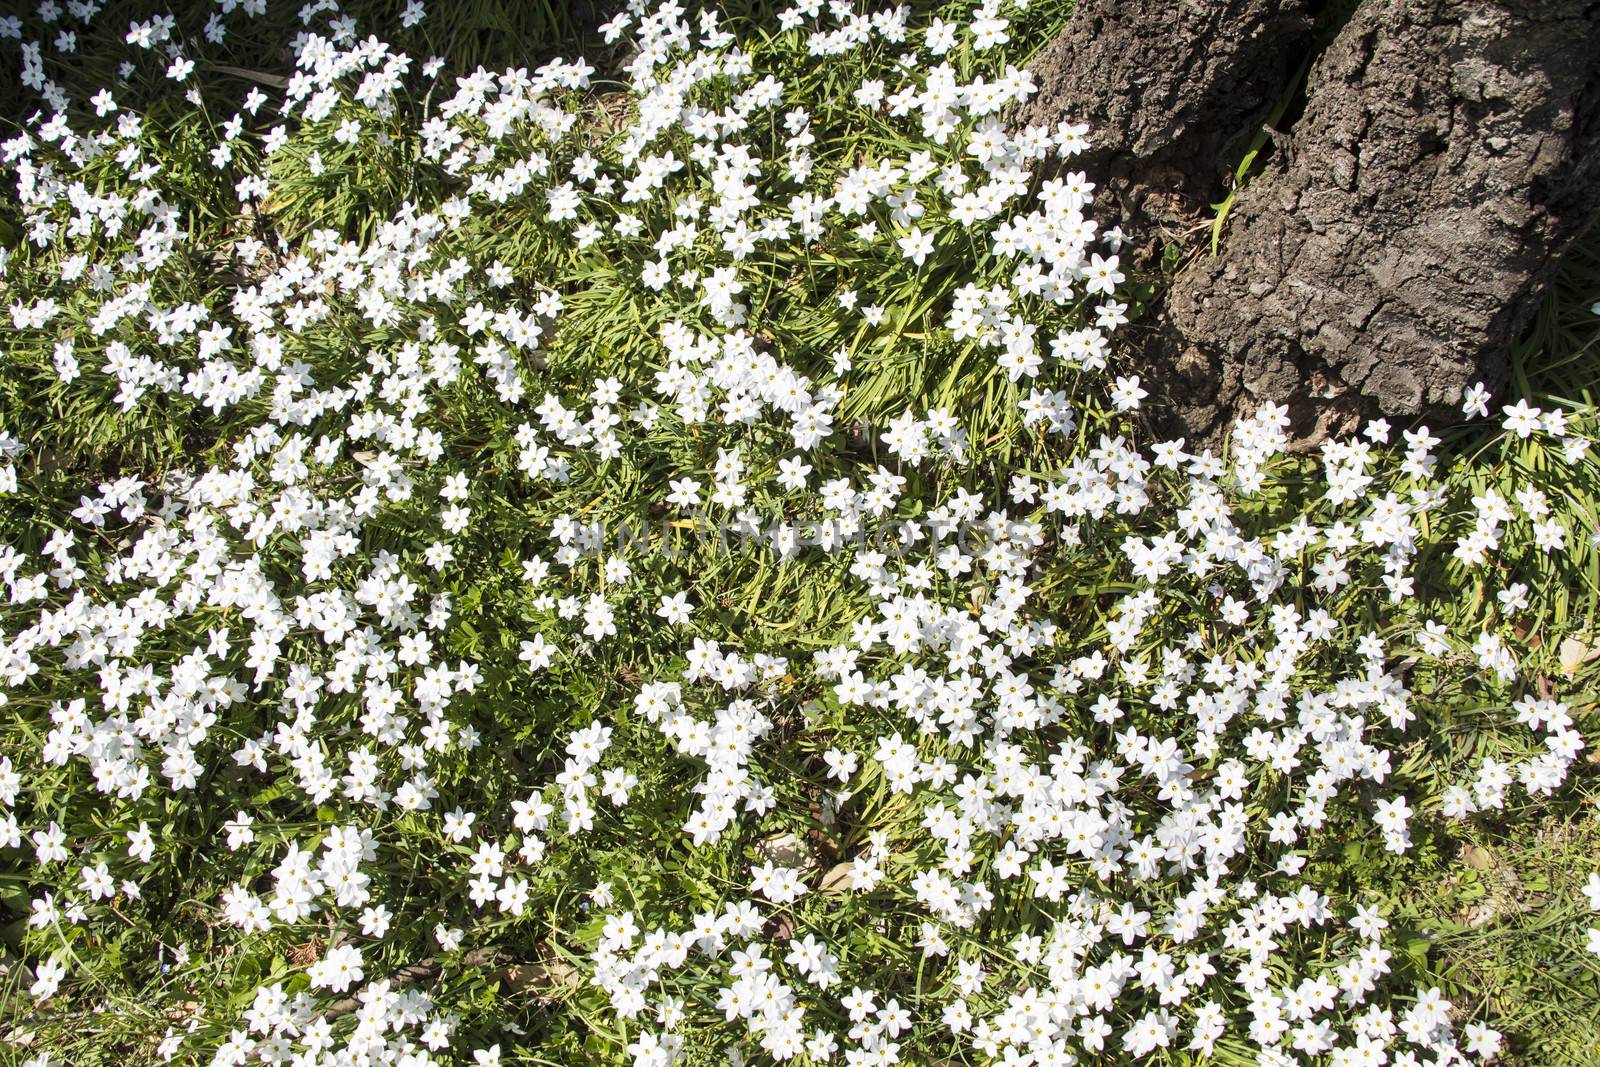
1170 90
1398 240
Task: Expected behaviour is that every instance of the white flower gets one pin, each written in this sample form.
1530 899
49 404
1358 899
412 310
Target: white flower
916 245
675 608
781 885
1521 418
537 653
47 978
338 970
1102 275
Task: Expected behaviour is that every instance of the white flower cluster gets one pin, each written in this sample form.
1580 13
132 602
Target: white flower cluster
1063 724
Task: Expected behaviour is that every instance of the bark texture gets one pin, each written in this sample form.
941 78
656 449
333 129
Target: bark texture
1391 254
1171 90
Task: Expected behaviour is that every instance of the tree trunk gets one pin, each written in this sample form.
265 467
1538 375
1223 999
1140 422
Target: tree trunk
1171 90
1398 241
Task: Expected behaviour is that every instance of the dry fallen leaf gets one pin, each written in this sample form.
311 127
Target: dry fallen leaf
837 880
1574 653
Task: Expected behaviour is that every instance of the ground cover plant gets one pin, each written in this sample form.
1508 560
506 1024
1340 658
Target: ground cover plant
655 557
